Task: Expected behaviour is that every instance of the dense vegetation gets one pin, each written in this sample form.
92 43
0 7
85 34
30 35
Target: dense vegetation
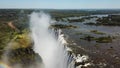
62 26
111 20
104 39
14 33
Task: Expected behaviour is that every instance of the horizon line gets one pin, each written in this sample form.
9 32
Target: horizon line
62 8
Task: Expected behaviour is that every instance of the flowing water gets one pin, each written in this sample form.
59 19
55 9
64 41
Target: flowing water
48 43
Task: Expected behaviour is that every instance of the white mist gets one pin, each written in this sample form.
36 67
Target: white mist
46 44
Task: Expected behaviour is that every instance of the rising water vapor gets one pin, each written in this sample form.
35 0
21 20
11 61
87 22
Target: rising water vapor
48 43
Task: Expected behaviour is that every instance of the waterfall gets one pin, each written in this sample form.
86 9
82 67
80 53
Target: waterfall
48 43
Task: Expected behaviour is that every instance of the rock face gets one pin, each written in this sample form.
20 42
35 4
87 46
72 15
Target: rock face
25 57
19 53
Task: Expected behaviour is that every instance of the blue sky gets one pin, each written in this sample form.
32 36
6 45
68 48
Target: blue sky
60 4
